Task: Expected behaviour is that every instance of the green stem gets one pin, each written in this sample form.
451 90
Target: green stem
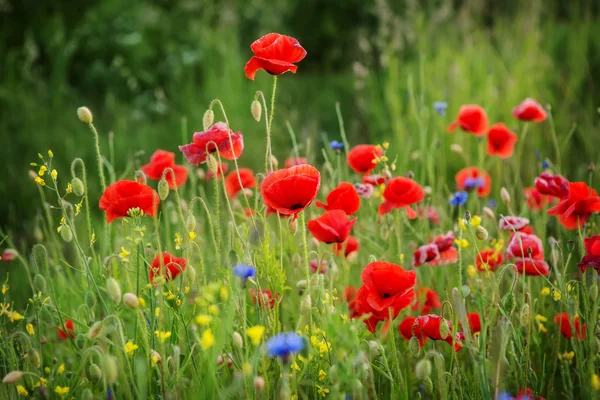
268 158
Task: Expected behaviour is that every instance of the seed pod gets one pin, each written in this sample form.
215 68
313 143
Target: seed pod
481 233
12 377
207 120
34 358
66 234
131 301
95 330
444 328
456 148
374 348
110 368
90 300
39 282
78 187
508 303
94 373
414 347
489 213
80 341
238 341
296 260
87 394
163 189
85 115
306 304
113 288
256 110
524 315
423 369
190 223
505 196
190 274
428 385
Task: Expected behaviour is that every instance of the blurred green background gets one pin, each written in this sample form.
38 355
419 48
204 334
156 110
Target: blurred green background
142 66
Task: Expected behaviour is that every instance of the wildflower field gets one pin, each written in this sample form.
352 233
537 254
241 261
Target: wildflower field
453 262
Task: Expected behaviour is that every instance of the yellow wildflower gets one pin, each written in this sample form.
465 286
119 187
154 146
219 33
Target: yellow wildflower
566 356
130 348
323 391
596 381
213 309
178 241
556 295
461 224
295 366
471 270
61 369
78 207
50 153
157 312
463 243
39 181
224 293
4 289
142 302
203 319
54 174
30 329
22 391
207 340
124 253
61 391
545 291
475 221
255 334
247 368
15 316
41 381
69 188
42 170
322 375
162 335
192 235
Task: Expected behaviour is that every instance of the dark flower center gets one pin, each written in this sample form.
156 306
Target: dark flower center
296 206
386 295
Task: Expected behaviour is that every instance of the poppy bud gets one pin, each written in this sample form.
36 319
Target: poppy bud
427 190
163 189
34 358
594 291
508 303
213 165
505 196
591 167
140 177
414 347
39 282
200 173
489 213
274 161
85 115
306 304
481 233
524 315
465 290
456 148
374 348
90 300
444 328
190 274
256 110
66 233
301 286
94 373
423 369
190 223
208 119
87 394
46 315
78 187
428 385
111 369
113 288
259 381
95 330
131 300
80 341
238 341
12 377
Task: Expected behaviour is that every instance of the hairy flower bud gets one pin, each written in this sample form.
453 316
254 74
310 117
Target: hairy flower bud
306 304
413 346
95 330
140 177
114 289
39 282
12 377
208 119
66 233
256 110
456 148
594 291
94 373
274 161
428 385
444 328
131 301
505 196
90 299
481 233
85 115
238 341
87 394
301 286
190 223
111 369
508 303
259 381
423 369
190 274
375 348
34 358
524 315
163 189
489 213
78 187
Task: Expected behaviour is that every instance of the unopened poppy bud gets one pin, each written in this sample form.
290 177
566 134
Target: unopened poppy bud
212 164
66 234
465 290
85 115
90 300
508 303
95 330
259 381
190 223
456 148
80 341
374 348
163 189
200 173
444 328
34 358
505 196
238 341
301 286
190 274
413 346
274 161
423 369
481 233
78 187
256 110
428 385
131 301
306 304
296 260
12 377
87 394
524 315
111 369
488 212
39 282
208 119
114 289
591 167
594 291
427 190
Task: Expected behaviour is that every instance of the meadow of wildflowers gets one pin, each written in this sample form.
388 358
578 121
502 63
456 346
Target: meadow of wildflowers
370 275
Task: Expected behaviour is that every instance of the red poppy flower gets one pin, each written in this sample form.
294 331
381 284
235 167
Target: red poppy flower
220 171
67 332
264 297
122 196
471 118
400 192
592 254
332 227
529 110
472 178
430 327
488 260
289 191
501 141
386 287
552 185
374 180
361 158
535 200
408 329
438 252
290 162
349 296
527 394
344 198
576 208
427 299
171 264
528 229
522 245
162 160
232 181
350 246
315 267
275 54
217 138
532 267
474 321
510 222
562 319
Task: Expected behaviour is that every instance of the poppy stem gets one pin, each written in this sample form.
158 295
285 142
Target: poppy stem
268 157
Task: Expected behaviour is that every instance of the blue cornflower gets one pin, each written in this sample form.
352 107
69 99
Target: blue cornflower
244 271
335 145
459 198
504 396
440 107
492 203
545 164
474 183
285 344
